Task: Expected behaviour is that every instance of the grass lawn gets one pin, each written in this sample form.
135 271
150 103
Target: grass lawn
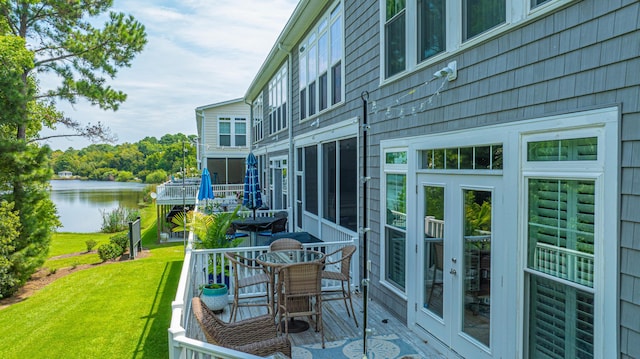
116 310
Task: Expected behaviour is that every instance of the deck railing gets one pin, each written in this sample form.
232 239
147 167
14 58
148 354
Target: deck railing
172 191
227 190
199 267
564 263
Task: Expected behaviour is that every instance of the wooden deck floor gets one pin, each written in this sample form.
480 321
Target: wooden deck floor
339 326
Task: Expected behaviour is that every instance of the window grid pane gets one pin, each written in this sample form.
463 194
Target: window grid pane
575 149
348 184
482 15
311 179
561 320
431 28
462 158
561 227
395 261
395 47
329 181
396 200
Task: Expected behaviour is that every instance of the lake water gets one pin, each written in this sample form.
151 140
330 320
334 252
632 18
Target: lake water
80 203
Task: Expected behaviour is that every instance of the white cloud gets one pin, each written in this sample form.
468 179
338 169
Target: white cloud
199 52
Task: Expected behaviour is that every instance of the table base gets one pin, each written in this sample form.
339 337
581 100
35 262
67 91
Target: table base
295 325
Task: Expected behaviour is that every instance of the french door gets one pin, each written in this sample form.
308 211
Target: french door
459 284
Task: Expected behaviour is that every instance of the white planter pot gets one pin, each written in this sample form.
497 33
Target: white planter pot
215 298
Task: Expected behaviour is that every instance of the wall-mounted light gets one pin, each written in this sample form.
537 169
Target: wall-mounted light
450 71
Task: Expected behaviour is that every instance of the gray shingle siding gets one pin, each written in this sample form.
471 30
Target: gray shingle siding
581 57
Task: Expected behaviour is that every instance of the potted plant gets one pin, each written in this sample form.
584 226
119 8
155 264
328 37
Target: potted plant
215 296
211 231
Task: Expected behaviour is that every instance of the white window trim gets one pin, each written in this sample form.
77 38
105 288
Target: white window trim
604 172
386 169
232 121
518 12
258 119
275 89
315 35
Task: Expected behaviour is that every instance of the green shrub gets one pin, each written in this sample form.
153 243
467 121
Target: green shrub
109 251
91 244
121 240
124 176
157 176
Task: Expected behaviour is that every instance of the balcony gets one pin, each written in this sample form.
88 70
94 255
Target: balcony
186 340
171 192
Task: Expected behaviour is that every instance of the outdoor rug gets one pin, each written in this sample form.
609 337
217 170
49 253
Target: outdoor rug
379 347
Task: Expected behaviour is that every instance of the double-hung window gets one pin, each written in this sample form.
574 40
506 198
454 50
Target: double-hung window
321 64
431 36
395 37
395 223
278 101
479 16
232 131
258 131
416 31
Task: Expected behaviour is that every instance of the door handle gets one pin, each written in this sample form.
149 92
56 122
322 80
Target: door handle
454 259
452 271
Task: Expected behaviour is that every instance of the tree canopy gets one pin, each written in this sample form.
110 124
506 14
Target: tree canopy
65 41
149 160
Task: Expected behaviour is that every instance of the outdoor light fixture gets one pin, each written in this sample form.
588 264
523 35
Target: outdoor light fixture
450 71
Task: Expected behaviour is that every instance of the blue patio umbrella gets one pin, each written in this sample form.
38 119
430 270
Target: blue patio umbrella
205 192
252 194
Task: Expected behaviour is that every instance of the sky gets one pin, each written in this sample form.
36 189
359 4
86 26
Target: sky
199 52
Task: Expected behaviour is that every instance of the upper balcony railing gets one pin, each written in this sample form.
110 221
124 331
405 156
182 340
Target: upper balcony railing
173 192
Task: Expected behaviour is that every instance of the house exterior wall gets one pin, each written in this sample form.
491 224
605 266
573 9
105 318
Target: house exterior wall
225 159
581 57
209 131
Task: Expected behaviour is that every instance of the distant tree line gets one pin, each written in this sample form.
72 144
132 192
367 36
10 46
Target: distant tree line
149 160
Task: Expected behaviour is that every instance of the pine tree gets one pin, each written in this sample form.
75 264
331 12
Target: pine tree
56 37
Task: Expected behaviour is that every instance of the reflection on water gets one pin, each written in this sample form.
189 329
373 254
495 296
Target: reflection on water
80 203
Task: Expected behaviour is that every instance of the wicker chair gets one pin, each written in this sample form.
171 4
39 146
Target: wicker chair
279 225
247 273
284 244
257 336
342 275
232 233
300 286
